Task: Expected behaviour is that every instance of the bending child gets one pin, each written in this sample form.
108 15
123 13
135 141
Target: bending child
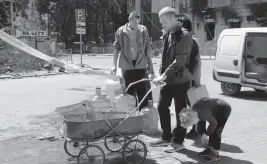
216 112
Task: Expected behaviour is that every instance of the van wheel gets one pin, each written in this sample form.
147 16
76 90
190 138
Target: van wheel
230 89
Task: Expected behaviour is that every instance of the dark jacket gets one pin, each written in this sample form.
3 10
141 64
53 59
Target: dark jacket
176 56
122 43
211 110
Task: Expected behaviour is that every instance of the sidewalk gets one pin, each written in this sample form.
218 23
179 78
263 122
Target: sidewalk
29 107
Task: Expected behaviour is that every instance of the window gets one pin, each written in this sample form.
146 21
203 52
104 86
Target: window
230 45
234 2
173 3
235 25
130 3
210 31
250 18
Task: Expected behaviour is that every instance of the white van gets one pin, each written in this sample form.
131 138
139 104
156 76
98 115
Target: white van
241 60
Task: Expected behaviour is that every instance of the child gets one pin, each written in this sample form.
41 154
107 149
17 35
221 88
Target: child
216 113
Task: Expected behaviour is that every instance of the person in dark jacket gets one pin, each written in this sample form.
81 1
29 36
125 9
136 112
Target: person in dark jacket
177 43
214 111
195 69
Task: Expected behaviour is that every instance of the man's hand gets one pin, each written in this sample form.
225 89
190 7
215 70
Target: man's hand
113 70
204 140
152 76
159 79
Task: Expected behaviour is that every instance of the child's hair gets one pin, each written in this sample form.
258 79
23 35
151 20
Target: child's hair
168 11
187 117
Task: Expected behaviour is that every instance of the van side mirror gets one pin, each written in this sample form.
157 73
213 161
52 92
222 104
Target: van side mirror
248 44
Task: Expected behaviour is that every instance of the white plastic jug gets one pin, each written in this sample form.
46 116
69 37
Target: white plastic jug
150 118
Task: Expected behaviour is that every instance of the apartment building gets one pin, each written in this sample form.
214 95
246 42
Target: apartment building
209 17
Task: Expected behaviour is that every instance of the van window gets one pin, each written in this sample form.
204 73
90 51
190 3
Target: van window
230 45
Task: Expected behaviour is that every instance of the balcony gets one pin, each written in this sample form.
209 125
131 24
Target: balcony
224 3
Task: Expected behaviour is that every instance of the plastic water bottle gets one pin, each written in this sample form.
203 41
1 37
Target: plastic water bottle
100 102
150 118
124 103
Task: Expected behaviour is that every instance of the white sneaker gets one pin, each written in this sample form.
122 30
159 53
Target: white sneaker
174 148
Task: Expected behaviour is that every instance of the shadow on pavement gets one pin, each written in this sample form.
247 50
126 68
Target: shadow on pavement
224 159
252 95
119 160
224 147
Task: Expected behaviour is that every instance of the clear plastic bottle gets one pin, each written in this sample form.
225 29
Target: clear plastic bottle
100 102
150 118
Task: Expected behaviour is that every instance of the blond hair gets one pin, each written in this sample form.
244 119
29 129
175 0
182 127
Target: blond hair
168 11
188 117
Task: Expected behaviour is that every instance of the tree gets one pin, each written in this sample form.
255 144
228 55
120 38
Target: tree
102 17
30 18
3 14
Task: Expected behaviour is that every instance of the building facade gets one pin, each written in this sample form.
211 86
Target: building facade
209 17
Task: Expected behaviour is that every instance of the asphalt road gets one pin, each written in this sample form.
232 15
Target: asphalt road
30 107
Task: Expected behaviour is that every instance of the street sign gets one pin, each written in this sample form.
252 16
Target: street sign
32 33
80 30
80 24
80 14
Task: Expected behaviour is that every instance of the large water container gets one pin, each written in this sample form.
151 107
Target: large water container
124 103
100 102
114 88
151 118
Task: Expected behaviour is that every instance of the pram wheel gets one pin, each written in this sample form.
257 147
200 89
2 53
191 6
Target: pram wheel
134 152
114 144
73 148
91 154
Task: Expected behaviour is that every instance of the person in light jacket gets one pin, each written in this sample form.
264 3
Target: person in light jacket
133 49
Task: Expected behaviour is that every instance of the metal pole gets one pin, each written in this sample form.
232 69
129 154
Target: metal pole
12 17
81 49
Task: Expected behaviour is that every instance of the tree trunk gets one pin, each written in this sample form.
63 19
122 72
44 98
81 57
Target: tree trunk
96 27
104 28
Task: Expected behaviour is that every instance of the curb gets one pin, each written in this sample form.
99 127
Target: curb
21 77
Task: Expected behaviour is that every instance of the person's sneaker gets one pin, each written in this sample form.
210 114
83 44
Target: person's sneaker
192 134
174 148
204 153
212 157
160 143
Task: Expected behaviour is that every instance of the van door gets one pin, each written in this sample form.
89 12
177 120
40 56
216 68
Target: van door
227 66
255 56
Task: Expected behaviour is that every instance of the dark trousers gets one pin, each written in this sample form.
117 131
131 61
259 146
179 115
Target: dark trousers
188 103
139 89
178 92
221 117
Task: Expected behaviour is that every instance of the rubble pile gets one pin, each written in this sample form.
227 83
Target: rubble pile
15 60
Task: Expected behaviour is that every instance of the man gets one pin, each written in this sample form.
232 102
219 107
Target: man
216 112
177 43
195 69
133 44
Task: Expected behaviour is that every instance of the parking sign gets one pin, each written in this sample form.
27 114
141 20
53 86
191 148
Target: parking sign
80 14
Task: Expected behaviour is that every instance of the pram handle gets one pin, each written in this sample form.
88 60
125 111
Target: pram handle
161 83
